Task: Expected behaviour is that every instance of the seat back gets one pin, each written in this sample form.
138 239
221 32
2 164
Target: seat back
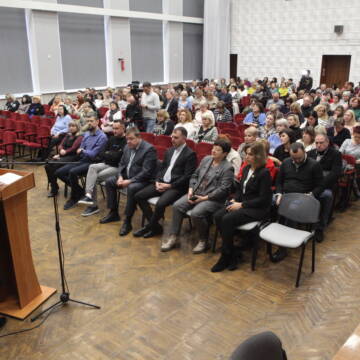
300 208
163 140
149 137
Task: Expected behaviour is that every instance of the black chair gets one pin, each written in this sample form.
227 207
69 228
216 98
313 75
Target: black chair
263 346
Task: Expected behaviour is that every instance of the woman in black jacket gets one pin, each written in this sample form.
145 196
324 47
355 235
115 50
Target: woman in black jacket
252 202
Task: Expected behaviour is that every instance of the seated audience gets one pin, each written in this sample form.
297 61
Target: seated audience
306 107
207 131
212 100
250 136
203 109
185 120
336 102
25 104
283 90
355 107
312 120
171 104
225 97
331 164
323 117
350 120
164 125
251 202
338 133
58 131
69 105
99 100
67 153
137 169
294 125
198 99
285 109
92 144
56 103
133 113
184 102
256 117
86 110
233 157
36 108
352 146
275 100
107 98
113 114
106 166
209 187
338 113
274 139
297 174
172 182
269 127
308 138
282 152
235 94
221 113
11 103
296 109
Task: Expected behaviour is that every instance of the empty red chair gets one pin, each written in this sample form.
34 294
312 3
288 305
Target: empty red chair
226 125
10 124
41 140
24 117
163 141
7 147
191 144
102 111
239 118
46 107
6 113
36 119
203 149
230 132
160 152
149 137
2 123
245 101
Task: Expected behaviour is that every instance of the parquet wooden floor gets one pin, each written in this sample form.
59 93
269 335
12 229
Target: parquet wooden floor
169 306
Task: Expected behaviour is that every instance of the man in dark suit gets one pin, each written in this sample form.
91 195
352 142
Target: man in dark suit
171 104
136 169
331 163
172 182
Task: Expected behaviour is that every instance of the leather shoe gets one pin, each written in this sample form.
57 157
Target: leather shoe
153 232
319 236
222 264
110 217
125 229
279 255
141 232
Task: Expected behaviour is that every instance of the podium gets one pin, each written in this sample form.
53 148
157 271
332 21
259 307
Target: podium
20 291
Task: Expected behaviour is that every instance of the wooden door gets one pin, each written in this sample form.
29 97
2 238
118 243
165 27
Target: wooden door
233 66
335 69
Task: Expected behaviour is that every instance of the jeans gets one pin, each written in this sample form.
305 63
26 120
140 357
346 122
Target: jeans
326 200
149 124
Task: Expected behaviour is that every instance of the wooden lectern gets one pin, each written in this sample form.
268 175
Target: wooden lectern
20 292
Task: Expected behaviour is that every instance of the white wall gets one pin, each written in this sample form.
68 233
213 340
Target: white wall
283 37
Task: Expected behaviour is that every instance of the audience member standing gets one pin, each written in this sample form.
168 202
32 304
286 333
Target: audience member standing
150 104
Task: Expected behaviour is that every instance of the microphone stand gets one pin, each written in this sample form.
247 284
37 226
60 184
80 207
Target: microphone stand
65 293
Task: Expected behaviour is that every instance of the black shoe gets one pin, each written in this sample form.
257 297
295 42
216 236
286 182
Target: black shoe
222 263
110 217
319 236
279 255
235 261
70 204
154 232
90 210
2 322
141 232
125 229
86 201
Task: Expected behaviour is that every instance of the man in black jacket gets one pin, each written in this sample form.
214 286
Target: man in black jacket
137 169
331 163
107 167
171 104
171 183
298 174
133 113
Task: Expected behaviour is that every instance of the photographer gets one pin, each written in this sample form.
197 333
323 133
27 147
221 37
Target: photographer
133 114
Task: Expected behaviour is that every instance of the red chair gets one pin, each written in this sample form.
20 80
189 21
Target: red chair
103 111
346 181
226 125
160 152
10 124
236 141
46 122
163 141
230 132
35 119
203 149
76 117
191 144
46 107
245 101
149 137
6 113
24 117
41 140
239 118
2 123
7 147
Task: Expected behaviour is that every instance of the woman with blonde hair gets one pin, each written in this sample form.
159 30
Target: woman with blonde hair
56 103
294 125
203 110
164 125
207 131
295 108
323 117
350 120
185 120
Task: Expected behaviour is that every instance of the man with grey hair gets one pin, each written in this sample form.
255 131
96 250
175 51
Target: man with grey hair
275 100
150 104
171 104
274 139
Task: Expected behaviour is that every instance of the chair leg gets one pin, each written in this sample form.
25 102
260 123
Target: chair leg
254 251
213 246
300 265
313 254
